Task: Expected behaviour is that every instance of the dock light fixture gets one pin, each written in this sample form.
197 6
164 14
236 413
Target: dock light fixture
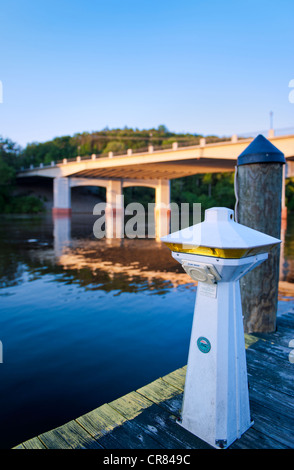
217 253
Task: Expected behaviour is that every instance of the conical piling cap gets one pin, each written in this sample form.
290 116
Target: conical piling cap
221 237
261 150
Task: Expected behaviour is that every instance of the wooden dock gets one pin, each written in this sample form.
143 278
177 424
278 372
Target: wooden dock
147 418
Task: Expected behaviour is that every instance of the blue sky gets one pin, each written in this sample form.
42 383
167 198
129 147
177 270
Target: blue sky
207 67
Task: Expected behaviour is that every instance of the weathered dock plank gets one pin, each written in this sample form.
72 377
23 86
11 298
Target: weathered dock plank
253 439
130 436
34 443
272 375
165 395
20 446
163 427
273 424
176 378
130 405
101 421
69 436
158 391
271 398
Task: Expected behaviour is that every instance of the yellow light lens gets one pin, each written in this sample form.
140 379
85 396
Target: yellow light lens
229 253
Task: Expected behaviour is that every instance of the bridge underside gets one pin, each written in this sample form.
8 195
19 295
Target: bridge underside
163 170
152 169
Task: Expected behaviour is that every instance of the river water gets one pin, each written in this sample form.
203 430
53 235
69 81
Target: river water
85 321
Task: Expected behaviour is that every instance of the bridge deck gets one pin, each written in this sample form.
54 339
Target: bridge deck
146 418
159 164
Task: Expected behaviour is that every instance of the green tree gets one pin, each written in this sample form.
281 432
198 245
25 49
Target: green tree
9 163
7 179
116 147
290 194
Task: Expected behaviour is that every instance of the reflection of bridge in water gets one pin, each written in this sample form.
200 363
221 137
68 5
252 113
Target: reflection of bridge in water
147 259
136 260
152 168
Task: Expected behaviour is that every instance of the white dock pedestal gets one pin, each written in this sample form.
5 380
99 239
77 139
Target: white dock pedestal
218 253
216 399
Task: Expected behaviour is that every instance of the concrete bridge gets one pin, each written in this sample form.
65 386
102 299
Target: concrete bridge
152 168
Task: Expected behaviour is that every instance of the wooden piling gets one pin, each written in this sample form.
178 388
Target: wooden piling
259 176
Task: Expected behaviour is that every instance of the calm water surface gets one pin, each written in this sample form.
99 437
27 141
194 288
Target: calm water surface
84 321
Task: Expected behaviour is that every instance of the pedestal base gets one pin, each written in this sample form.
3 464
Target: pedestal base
216 399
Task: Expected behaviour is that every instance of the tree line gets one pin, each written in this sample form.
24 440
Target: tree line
211 189
103 142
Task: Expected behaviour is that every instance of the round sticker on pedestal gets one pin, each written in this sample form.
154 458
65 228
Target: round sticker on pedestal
203 344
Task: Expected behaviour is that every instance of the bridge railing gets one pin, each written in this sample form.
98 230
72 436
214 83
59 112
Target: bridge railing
268 133
198 141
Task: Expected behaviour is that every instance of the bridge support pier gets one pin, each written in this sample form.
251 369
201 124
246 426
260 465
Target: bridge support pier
114 193
61 197
61 233
114 213
114 202
162 208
